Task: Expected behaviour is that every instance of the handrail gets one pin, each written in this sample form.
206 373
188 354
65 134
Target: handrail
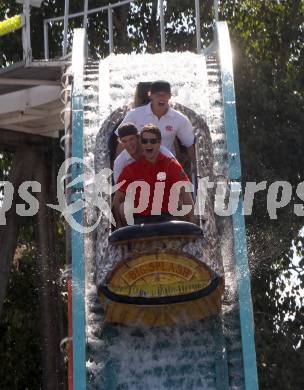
109 8
89 11
83 13
198 26
25 25
162 25
65 26
216 10
110 25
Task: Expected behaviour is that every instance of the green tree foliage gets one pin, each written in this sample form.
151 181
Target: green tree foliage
268 44
267 38
20 346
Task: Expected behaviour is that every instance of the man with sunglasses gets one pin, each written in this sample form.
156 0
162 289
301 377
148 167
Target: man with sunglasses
171 123
129 138
157 174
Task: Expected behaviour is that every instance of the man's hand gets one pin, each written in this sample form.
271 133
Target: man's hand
118 200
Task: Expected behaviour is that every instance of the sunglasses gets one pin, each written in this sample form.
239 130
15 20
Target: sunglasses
151 141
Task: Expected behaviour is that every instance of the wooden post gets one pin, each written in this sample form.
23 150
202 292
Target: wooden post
51 313
50 304
9 232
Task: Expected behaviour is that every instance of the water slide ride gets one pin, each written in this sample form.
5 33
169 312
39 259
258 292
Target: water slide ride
137 327
155 306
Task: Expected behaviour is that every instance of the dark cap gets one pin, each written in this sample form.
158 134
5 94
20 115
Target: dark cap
160 86
127 129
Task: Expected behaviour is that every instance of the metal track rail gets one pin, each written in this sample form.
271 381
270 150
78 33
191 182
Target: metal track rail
239 234
78 271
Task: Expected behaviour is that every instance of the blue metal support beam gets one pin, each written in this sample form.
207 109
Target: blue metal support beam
78 264
240 250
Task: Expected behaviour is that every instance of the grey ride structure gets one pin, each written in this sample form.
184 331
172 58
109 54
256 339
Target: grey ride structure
217 352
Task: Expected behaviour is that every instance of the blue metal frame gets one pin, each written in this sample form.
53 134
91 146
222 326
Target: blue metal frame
78 264
240 250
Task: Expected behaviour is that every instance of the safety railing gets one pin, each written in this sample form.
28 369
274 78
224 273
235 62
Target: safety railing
109 10
23 21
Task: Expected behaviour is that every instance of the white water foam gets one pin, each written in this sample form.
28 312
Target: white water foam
147 358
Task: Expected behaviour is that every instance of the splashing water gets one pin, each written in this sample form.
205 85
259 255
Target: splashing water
177 357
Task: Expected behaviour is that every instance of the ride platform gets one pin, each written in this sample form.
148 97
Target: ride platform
30 97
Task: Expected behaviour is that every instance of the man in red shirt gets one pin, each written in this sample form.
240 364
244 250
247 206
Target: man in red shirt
154 185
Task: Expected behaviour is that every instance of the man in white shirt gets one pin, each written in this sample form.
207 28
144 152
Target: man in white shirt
170 122
129 138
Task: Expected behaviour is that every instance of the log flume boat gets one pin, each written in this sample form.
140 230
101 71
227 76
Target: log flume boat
163 273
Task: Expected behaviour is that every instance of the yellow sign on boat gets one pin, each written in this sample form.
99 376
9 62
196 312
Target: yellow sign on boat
160 289
159 274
